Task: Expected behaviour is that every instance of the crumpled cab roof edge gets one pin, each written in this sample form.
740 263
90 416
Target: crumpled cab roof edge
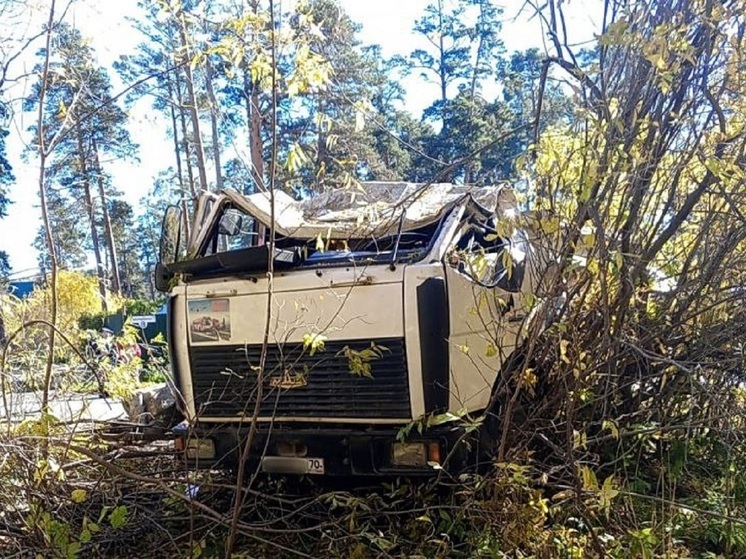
374 207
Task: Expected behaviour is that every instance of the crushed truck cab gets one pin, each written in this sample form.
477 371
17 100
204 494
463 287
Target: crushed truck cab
388 304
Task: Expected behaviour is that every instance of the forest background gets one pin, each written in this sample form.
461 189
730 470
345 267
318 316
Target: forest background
114 33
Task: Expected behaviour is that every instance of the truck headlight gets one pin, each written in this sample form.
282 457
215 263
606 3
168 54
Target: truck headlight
409 454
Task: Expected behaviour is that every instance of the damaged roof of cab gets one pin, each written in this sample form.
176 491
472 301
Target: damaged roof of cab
369 207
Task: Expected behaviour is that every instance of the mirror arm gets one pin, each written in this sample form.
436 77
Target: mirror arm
398 240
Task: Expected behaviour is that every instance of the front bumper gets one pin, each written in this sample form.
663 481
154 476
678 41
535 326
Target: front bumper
341 451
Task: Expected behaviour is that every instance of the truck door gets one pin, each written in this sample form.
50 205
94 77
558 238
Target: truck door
485 277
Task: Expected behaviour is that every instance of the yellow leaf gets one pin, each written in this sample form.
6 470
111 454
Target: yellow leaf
78 495
529 378
607 493
314 342
592 265
590 482
611 426
507 262
579 439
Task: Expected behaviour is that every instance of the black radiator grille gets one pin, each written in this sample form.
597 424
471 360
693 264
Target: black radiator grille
298 384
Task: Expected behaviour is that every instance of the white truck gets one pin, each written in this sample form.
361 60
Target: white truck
390 304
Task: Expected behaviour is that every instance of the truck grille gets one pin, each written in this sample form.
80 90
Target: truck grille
297 384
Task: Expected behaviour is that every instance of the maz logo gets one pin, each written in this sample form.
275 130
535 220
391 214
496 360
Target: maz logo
289 380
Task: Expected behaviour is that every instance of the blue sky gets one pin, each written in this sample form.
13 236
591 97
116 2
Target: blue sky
385 22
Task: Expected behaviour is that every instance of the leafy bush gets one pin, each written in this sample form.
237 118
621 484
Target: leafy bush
134 307
78 295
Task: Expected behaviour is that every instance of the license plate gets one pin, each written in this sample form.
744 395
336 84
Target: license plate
315 465
292 465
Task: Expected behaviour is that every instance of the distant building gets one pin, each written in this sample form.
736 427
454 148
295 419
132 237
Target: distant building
21 288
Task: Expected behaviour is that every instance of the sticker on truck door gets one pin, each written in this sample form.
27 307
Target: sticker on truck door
210 320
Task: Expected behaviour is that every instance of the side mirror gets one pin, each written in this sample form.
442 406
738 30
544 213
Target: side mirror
170 248
162 279
171 242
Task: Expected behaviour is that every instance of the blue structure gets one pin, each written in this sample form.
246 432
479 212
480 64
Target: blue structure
21 288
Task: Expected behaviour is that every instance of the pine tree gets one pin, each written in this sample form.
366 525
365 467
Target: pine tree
69 232
463 53
81 114
153 72
6 179
464 47
528 98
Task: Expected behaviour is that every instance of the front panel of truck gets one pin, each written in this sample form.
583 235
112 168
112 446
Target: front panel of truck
336 347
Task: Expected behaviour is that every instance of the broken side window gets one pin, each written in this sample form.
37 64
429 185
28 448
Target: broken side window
234 231
490 260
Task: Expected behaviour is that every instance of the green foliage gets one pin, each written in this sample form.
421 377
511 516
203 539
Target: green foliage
313 342
79 304
118 517
464 43
497 516
632 399
460 419
6 179
54 510
58 537
360 361
135 307
123 379
469 124
6 171
94 322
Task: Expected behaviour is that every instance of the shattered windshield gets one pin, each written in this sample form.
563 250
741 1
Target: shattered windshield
407 246
237 238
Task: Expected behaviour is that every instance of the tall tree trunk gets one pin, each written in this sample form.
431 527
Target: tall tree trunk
126 278
177 153
254 118
442 51
100 272
478 60
247 91
187 151
116 282
44 151
255 123
442 71
185 137
214 124
321 151
192 104
255 139
469 167
151 274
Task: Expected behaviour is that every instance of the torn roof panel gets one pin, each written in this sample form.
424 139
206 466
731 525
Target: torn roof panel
370 208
